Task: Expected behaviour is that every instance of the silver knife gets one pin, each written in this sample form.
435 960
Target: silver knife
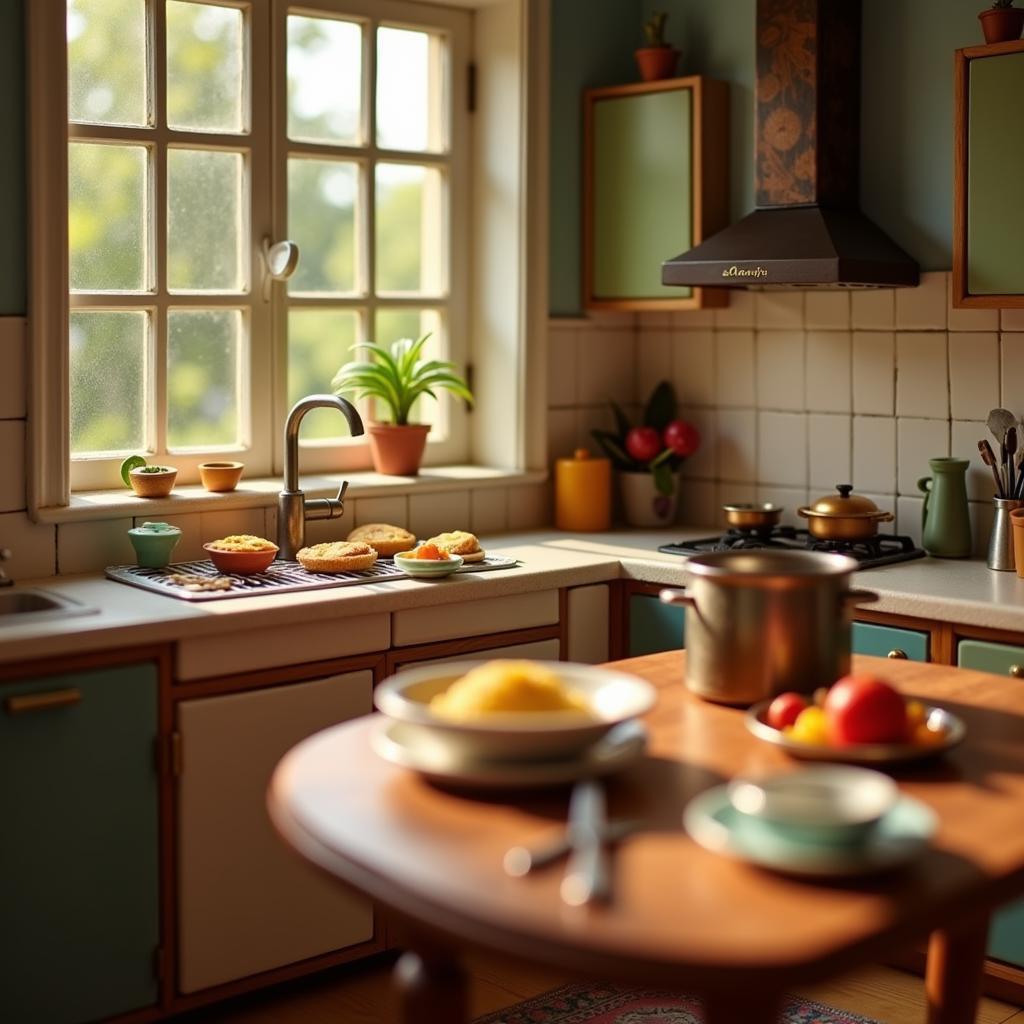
521 860
587 875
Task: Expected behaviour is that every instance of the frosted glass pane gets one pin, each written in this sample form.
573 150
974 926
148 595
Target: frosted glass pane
205 74
325 80
392 324
107 61
409 230
204 351
107 219
108 353
319 341
204 220
321 218
409 84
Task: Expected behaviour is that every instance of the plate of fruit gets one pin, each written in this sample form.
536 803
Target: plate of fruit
861 719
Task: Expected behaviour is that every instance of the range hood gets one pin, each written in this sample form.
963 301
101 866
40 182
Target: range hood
807 229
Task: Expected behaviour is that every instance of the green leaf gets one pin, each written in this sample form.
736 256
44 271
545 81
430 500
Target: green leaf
659 460
664 479
622 424
661 407
610 445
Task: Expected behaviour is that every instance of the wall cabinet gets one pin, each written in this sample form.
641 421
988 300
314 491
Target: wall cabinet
79 876
246 903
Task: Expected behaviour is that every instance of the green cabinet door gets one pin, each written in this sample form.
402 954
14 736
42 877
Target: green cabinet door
1006 938
982 656
78 857
655 627
881 641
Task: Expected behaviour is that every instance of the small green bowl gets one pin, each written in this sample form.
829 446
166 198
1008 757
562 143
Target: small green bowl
429 569
154 543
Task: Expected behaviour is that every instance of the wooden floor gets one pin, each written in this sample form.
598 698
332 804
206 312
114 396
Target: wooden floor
362 995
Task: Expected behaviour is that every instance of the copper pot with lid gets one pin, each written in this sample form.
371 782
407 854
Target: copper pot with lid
844 516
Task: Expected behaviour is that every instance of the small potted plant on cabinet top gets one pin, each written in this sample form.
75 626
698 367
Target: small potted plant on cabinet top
657 59
395 377
1002 22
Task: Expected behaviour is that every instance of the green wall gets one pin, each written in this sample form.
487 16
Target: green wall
12 158
906 121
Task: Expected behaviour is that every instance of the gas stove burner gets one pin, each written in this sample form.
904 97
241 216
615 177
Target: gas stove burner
882 549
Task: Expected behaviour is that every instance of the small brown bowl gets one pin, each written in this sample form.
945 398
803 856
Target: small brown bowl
153 484
243 562
220 476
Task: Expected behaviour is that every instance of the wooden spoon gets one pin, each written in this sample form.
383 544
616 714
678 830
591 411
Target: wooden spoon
989 458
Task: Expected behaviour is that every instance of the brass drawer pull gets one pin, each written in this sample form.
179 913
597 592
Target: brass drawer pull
42 701
897 654
1017 671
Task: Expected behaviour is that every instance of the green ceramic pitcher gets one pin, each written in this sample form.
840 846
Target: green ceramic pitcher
946 525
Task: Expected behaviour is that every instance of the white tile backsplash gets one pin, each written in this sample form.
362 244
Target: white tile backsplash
874 454
33 546
970 319
701 465
784 308
741 311
12 458
917 441
827 310
214 525
1011 380
828 379
430 514
393 509
973 374
737 445
908 517
88 547
790 498
1011 319
782 448
964 438
735 369
13 379
488 511
923 308
829 450
781 362
607 366
874 373
562 365
693 366
698 503
653 359
922 374
873 309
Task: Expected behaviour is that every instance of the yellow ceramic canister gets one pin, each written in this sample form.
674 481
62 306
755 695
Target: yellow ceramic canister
583 493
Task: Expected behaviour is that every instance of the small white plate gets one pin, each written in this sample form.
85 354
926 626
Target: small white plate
414 747
900 836
429 569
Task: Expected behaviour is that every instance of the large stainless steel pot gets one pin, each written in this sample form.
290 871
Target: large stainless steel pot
761 622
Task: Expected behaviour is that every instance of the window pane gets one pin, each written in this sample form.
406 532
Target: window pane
107 61
321 219
204 220
319 342
204 67
108 381
392 324
409 230
325 80
204 349
409 90
107 203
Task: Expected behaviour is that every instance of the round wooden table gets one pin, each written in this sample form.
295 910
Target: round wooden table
680 917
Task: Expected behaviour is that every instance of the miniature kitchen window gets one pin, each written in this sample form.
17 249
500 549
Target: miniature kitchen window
988 224
656 182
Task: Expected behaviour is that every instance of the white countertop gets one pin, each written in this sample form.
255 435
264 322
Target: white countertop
954 591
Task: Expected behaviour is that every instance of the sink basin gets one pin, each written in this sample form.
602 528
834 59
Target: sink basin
23 606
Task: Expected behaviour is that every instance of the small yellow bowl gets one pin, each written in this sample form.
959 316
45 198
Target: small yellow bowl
220 476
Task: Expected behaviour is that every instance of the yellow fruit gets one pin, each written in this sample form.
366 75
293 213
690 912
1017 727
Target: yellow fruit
925 737
915 715
811 726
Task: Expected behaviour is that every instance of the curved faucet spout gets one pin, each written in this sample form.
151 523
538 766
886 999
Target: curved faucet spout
291 430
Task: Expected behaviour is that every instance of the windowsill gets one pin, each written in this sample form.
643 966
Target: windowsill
91 505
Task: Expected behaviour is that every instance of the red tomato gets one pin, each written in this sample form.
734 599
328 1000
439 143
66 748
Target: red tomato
682 437
865 709
643 443
784 709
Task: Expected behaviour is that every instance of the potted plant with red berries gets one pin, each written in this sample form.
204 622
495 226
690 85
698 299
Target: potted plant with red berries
1002 22
648 456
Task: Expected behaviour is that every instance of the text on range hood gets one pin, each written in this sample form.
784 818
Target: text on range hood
807 229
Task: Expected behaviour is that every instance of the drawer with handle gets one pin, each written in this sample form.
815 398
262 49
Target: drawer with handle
984 656
890 642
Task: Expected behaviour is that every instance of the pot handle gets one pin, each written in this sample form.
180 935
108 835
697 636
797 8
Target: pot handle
884 517
676 597
860 597
805 511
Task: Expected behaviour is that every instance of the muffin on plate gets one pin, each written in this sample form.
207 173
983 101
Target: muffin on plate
336 556
460 542
385 539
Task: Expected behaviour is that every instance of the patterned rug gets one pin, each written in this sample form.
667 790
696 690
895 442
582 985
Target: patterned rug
583 1004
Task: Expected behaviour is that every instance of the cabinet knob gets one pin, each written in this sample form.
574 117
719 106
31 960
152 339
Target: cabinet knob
897 654
1017 671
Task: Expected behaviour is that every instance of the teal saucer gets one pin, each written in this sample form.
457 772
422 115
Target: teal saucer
900 836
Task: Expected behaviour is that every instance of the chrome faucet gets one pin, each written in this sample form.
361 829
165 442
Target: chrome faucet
5 580
293 509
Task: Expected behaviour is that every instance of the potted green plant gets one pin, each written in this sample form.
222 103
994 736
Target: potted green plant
395 377
1002 22
145 480
657 59
648 456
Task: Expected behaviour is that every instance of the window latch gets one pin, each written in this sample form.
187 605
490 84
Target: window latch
279 262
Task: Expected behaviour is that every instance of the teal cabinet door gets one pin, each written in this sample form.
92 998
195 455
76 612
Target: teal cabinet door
78 859
881 641
655 627
1006 939
982 656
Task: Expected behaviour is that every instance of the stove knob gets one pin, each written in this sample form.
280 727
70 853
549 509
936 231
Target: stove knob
897 654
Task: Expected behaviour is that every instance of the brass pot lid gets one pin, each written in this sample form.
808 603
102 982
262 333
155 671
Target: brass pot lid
844 505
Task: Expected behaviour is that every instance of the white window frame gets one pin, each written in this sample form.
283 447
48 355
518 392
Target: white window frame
507 276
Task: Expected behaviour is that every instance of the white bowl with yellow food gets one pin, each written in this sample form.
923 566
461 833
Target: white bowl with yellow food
513 710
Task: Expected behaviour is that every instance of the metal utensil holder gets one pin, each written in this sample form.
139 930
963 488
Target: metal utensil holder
1000 541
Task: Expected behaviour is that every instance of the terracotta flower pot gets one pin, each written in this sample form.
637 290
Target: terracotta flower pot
643 504
1002 24
397 451
656 62
153 485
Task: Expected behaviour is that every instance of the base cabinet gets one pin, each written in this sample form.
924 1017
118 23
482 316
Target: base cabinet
246 903
655 627
890 641
79 882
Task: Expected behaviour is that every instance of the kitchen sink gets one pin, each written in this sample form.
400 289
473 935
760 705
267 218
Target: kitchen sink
25 606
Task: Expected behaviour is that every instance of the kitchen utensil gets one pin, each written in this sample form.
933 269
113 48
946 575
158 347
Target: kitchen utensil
583 493
761 622
876 754
999 422
844 516
612 697
1011 461
945 521
410 747
1001 539
903 834
427 568
154 543
760 516
989 458
588 873
521 860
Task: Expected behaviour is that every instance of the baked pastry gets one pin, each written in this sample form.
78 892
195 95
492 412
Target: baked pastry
242 542
336 556
460 542
385 539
